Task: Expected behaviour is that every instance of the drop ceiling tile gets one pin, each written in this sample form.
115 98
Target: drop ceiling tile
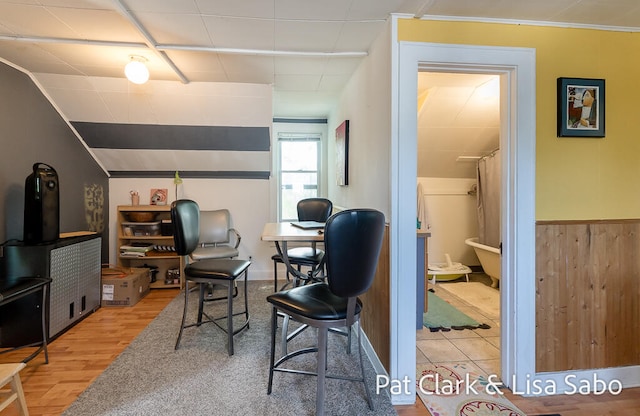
113 26
307 36
80 105
243 33
358 36
255 69
66 82
263 9
303 104
249 77
334 83
33 20
33 58
196 61
165 7
327 10
284 65
105 56
342 65
78 4
297 82
374 10
590 11
175 29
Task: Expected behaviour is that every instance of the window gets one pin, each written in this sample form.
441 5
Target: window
299 172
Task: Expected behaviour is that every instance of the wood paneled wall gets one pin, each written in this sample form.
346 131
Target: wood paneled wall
376 315
587 294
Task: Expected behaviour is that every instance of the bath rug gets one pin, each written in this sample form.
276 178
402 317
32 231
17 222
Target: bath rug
481 296
456 390
442 316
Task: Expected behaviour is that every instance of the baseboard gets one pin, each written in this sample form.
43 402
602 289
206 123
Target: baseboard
374 360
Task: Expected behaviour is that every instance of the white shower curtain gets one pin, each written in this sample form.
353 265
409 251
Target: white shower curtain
489 183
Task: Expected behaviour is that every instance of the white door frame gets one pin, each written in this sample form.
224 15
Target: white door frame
516 67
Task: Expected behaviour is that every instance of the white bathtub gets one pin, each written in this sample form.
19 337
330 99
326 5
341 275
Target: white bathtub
489 259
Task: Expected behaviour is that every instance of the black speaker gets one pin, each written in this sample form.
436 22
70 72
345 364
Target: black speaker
41 205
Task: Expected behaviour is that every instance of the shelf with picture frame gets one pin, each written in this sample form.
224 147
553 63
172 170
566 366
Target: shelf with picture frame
145 238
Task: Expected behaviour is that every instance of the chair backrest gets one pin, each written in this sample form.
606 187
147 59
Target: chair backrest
314 209
352 241
214 226
185 216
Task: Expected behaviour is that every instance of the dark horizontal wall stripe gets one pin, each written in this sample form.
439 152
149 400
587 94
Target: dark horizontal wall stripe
164 137
301 121
190 174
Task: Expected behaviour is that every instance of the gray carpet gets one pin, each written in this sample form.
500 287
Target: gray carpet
151 378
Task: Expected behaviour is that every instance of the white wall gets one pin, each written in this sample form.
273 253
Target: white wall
452 217
366 103
247 200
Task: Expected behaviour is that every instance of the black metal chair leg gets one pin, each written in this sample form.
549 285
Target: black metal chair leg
246 301
184 313
322 369
201 292
230 316
275 276
274 325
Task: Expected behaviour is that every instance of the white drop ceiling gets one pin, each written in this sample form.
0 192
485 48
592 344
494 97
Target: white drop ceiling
306 50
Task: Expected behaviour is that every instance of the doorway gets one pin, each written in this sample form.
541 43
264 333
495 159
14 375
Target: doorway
516 67
458 129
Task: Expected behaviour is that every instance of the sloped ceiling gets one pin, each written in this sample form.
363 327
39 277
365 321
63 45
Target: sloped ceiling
458 122
304 51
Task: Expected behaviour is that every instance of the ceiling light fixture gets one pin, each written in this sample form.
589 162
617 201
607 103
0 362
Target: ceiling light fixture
136 70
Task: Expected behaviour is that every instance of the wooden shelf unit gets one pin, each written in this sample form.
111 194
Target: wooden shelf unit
163 262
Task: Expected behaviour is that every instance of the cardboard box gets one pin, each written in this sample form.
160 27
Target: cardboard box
124 286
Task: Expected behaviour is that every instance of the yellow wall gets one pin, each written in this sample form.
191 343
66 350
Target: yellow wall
576 178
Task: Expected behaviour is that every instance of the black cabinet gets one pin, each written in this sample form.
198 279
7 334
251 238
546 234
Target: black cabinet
73 263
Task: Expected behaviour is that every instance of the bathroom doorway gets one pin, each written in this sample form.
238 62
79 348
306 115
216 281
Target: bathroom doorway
516 67
458 129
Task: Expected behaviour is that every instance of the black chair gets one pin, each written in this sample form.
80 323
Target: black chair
309 209
14 301
352 241
185 216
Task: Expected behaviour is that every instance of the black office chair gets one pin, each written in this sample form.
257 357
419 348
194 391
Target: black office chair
309 209
14 302
352 241
185 216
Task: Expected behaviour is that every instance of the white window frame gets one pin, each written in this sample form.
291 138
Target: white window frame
297 137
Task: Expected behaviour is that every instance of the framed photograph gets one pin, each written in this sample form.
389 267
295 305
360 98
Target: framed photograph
158 197
581 107
342 153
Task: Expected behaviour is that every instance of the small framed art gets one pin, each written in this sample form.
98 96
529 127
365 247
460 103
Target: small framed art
581 104
342 153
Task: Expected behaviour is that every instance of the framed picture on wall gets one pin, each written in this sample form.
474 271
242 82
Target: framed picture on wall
342 153
581 104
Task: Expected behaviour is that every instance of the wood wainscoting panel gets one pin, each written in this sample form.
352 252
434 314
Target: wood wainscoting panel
376 314
587 294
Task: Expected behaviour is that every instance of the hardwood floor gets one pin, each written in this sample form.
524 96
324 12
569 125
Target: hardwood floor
77 357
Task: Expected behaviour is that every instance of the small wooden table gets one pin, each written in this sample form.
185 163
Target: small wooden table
281 233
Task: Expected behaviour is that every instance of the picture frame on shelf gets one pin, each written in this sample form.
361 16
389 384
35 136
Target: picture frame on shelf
159 196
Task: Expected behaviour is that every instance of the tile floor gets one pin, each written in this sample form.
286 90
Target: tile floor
479 348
